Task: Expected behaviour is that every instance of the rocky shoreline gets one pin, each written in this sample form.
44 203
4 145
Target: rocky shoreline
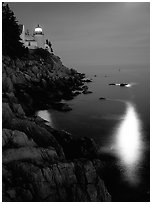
39 162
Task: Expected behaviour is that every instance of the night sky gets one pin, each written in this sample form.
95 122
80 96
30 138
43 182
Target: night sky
102 33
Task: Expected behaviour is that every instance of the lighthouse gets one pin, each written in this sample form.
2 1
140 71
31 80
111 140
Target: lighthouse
36 40
39 37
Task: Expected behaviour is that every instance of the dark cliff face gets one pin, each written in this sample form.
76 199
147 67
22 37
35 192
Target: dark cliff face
39 162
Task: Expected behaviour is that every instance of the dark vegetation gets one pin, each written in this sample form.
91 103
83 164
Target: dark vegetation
11 34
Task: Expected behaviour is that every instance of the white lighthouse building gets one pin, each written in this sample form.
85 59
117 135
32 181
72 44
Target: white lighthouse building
39 37
36 40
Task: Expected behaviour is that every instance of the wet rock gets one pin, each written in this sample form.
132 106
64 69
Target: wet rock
123 84
87 80
102 98
75 93
87 92
85 88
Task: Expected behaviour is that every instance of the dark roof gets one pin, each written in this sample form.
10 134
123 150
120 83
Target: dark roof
30 40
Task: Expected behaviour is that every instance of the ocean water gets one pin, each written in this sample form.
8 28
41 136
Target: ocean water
120 125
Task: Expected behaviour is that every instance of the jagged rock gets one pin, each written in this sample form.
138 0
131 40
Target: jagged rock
17 109
6 60
27 77
6 136
85 88
11 97
75 93
7 115
35 69
7 85
19 63
40 135
35 165
33 154
8 71
87 80
86 92
16 139
74 181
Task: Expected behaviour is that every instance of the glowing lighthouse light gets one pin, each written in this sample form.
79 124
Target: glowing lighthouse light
38 29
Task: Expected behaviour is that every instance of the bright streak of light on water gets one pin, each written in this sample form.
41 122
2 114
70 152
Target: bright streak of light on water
128 143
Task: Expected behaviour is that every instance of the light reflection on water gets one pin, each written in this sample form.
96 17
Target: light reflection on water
128 143
44 114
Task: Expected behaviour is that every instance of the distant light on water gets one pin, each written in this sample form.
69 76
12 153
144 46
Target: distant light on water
128 143
128 85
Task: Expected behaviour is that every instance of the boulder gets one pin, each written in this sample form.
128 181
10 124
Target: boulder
102 98
85 88
123 84
75 93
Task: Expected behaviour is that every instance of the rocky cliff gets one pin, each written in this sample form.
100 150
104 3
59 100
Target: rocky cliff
39 162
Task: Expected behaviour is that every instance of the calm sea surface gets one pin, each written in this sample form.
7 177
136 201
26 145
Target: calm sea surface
120 125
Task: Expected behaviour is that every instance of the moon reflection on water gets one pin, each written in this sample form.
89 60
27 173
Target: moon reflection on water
129 144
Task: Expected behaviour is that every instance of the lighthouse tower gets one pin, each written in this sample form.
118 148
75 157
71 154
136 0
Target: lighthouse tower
39 37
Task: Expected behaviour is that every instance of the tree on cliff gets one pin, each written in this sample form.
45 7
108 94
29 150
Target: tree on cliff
11 44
